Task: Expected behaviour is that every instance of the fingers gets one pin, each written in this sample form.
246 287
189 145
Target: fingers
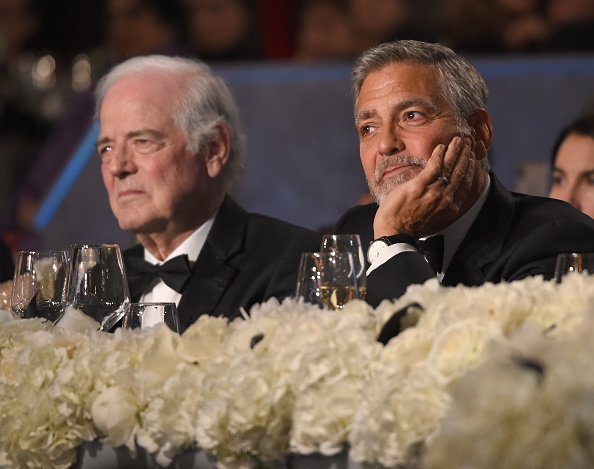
433 169
452 155
446 168
458 171
467 181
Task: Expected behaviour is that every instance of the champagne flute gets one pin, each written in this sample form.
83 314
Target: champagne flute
327 279
573 262
38 286
349 243
143 315
97 285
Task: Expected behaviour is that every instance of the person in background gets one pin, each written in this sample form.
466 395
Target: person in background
572 25
378 21
141 27
572 171
171 150
496 26
424 134
224 30
325 31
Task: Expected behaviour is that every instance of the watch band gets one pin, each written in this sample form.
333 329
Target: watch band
400 238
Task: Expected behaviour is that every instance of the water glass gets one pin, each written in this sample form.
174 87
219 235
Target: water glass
327 279
97 285
143 315
38 286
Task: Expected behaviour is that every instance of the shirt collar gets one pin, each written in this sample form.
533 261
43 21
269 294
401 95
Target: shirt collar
191 246
455 233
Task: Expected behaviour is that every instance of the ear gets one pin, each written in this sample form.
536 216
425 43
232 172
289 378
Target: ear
217 153
482 132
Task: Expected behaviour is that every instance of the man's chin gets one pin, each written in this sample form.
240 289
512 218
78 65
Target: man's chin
134 226
387 185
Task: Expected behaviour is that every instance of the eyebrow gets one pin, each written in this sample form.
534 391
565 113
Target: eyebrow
400 106
135 133
582 174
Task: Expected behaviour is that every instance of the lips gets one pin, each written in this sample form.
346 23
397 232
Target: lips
129 193
395 170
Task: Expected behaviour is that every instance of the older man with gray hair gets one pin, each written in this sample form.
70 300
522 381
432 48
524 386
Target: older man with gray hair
171 149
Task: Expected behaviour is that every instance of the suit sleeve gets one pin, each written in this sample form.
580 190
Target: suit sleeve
391 279
537 253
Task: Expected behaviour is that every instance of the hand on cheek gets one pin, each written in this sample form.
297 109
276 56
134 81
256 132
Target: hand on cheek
428 203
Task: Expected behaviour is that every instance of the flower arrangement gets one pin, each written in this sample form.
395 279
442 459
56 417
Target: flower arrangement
292 378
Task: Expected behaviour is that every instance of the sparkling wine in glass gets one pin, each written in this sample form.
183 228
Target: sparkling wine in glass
348 243
143 315
97 285
327 279
38 287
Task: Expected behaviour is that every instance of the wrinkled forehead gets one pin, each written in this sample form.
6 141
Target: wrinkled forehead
401 81
403 70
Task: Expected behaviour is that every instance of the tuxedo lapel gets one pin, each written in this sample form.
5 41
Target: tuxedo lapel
484 241
213 273
135 251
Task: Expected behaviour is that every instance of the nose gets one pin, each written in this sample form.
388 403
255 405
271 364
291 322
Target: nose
569 193
574 198
121 162
390 142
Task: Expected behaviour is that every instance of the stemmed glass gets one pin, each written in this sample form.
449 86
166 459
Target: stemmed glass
573 262
38 285
348 243
327 279
143 315
97 285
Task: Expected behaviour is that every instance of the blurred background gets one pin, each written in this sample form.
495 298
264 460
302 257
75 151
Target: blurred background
288 64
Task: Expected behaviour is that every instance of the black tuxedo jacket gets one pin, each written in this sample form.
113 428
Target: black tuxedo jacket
514 236
6 264
246 259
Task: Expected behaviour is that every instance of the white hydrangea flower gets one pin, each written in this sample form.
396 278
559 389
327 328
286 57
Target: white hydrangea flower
295 378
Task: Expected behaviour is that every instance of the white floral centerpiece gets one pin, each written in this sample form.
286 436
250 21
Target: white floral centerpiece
295 379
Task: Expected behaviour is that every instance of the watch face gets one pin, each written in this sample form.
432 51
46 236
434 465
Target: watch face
375 248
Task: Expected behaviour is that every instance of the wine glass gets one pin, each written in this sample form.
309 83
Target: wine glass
142 315
349 243
38 285
97 285
327 279
573 262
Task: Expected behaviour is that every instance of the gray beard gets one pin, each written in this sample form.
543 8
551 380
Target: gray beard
380 188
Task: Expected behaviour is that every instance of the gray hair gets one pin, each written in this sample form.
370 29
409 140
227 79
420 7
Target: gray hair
205 102
461 85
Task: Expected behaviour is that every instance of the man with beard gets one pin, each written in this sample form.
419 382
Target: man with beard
424 132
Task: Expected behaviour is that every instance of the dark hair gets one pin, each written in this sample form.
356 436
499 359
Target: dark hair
583 125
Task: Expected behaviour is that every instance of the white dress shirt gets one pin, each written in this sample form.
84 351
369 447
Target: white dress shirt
191 247
453 235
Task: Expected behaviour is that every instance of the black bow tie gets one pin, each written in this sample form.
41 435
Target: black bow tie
175 273
432 249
